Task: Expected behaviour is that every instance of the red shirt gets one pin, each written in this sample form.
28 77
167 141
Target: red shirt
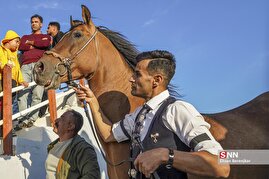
41 44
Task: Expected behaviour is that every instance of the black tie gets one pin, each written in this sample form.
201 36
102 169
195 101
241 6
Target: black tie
140 118
136 134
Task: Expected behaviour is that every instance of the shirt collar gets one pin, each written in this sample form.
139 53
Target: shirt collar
156 100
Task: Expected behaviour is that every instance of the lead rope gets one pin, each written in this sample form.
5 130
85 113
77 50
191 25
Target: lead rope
85 106
86 110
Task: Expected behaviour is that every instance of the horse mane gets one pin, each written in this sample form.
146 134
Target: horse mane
125 47
173 90
129 51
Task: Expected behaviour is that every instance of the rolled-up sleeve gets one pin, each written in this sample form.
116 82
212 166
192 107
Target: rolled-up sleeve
190 126
119 130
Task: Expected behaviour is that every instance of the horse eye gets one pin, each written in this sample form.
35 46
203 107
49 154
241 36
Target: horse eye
77 34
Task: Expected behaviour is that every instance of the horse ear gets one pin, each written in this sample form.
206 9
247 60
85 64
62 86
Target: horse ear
86 15
71 22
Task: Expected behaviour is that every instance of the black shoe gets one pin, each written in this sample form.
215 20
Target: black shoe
23 124
17 128
30 123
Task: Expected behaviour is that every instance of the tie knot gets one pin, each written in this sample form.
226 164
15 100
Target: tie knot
140 118
142 114
146 108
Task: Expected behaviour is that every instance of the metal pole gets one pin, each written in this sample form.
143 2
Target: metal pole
18 88
7 110
52 105
21 113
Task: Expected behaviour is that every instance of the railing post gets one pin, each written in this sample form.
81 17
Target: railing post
82 82
7 110
52 105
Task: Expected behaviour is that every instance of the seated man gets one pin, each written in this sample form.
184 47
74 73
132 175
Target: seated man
70 156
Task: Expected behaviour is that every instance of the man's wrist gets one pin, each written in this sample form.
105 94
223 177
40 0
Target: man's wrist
170 160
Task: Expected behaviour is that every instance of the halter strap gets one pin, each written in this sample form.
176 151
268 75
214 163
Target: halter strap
67 61
62 58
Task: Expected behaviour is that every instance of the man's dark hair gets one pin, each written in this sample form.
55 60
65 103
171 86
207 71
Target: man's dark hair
37 16
56 24
77 119
161 61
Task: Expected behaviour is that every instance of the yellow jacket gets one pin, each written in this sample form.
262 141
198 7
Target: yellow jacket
12 57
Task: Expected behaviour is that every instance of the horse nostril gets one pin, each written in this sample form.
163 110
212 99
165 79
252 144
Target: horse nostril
39 67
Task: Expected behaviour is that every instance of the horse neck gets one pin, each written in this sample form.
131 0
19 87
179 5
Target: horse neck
112 71
110 82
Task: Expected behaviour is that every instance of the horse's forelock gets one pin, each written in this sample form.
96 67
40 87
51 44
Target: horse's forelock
76 23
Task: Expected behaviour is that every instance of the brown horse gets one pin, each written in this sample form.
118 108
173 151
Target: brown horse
106 60
246 127
92 54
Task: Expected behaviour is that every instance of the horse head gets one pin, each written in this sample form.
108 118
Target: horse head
69 59
106 59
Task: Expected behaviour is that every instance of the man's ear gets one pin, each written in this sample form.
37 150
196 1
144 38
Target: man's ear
157 80
71 126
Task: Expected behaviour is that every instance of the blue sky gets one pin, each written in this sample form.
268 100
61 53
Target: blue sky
221 46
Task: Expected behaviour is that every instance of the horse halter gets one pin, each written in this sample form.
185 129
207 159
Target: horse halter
67 61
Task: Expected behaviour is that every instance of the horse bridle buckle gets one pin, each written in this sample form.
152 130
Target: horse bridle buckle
66 60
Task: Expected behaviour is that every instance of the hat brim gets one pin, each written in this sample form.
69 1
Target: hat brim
7 40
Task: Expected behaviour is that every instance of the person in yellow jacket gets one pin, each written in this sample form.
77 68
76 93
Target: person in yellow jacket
9 56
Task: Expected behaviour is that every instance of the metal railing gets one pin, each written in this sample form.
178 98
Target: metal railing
7 107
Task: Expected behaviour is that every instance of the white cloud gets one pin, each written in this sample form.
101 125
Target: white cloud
47 5
149 22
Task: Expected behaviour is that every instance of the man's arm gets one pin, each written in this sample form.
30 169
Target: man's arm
87 163
102 123
199 163
188 124
42 42
23 45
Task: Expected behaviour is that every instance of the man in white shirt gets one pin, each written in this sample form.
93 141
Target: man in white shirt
168 129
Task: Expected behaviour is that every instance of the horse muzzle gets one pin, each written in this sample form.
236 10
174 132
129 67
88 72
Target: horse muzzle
44 78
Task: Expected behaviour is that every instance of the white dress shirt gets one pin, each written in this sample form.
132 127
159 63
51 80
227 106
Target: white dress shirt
180 117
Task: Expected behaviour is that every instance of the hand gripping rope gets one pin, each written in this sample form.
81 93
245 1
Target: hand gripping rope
85 106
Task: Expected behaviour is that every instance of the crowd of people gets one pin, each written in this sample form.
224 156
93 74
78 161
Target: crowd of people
69 156
29 49
181 128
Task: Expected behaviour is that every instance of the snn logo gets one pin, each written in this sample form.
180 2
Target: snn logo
232 155
228 155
